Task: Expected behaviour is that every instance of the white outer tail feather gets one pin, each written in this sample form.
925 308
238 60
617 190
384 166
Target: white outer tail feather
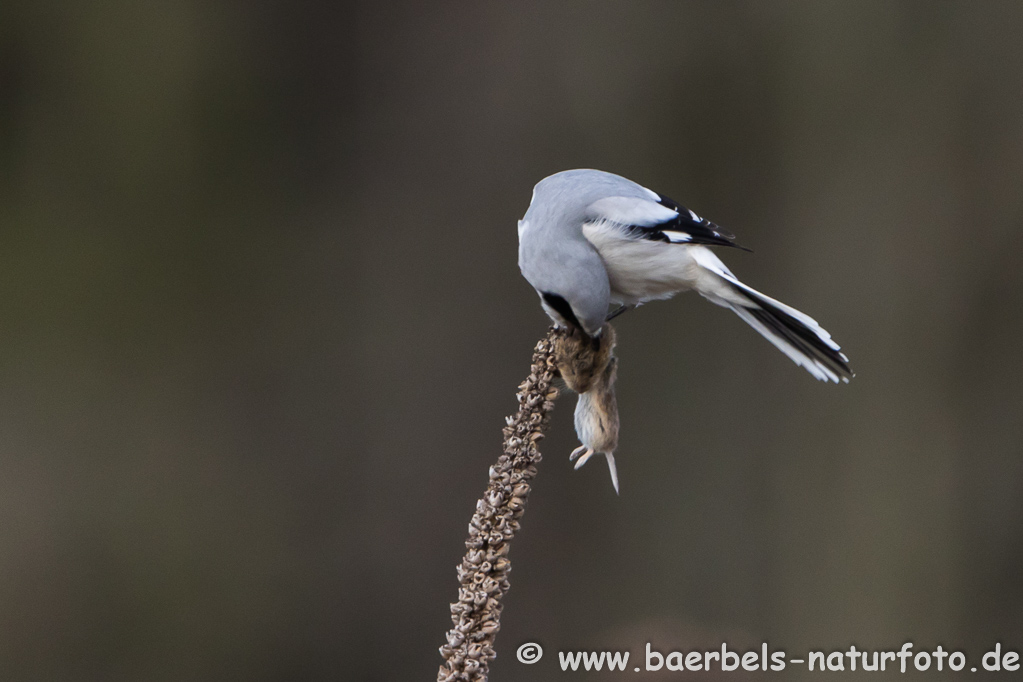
819 370
756 300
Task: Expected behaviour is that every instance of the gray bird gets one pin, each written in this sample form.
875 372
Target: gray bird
591 239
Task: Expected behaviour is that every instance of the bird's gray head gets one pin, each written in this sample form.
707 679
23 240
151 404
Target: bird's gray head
556 258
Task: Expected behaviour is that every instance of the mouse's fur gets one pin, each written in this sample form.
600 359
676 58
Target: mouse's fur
582 359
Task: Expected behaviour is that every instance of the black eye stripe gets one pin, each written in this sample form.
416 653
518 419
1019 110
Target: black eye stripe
562 307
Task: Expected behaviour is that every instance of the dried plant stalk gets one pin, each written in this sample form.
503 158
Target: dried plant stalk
483 573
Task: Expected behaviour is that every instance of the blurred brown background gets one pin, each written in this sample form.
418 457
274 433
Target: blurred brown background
261 320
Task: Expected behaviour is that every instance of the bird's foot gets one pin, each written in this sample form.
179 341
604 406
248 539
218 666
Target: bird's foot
618 311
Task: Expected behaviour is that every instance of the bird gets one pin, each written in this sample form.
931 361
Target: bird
590 239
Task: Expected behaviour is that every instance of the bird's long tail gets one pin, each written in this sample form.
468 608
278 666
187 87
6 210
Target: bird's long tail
793 333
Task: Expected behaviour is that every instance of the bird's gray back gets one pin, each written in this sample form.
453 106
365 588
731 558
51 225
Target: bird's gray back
560 200
554 256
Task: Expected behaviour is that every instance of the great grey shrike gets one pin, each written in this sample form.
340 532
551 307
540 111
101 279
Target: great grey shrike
590 239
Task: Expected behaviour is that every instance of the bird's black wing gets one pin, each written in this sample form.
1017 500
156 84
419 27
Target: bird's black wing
685 228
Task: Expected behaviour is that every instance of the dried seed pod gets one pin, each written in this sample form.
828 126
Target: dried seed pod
483 572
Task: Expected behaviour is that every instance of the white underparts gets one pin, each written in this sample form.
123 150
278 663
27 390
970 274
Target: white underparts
641 270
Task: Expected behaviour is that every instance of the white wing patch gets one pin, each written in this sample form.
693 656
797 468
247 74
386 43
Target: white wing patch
678 237
630 211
